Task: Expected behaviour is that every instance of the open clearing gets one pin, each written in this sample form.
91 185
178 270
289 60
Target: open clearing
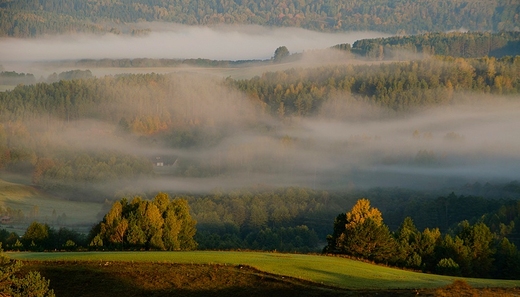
79 215
330 271
4 88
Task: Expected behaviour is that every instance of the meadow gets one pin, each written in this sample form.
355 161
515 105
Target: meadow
322 270
19 195
4 88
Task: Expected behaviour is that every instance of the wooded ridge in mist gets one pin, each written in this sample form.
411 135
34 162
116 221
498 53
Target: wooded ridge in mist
398 86
32 18
455 44
244 219
141 108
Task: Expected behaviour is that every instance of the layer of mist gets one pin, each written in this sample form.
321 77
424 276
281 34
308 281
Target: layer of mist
349 144
176 41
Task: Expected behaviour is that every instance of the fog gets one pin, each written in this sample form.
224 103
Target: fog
348 144
174 41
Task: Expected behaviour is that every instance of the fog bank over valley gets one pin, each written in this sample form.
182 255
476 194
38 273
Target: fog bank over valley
347 144
176 41
206 134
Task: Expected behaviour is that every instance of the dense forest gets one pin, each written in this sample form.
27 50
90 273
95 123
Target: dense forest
32 18
283 219
455 44
152 119
468 249
399 86
481 244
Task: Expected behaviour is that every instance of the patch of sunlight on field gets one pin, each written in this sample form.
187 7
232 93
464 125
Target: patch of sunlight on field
4 88
334 271
27 199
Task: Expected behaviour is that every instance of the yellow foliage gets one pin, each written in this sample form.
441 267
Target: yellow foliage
362 211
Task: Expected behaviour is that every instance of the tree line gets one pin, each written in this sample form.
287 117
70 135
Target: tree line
262 218
42 237
471 250
32 18
298 219
14 78
398 86
163 223
454 44
151 62
293 220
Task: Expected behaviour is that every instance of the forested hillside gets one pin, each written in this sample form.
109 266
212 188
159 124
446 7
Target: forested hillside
399 86
174 112
468 249
31 18
466 45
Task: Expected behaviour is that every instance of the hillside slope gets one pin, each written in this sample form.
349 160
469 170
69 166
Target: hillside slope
331 271
24 204
241 274
26 18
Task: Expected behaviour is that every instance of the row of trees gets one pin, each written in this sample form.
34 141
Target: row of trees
159 224
31 18
286 219
42 237
32 23
14 78
398 86
455 44
73 176
237 219
468 249
150 62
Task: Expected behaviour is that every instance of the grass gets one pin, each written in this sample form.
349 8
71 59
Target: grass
4 88
331 271
18 195
152 279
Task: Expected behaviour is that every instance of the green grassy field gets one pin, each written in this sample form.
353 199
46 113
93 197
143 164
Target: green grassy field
331 271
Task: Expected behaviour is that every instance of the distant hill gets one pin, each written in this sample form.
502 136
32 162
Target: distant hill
15 192
27 18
